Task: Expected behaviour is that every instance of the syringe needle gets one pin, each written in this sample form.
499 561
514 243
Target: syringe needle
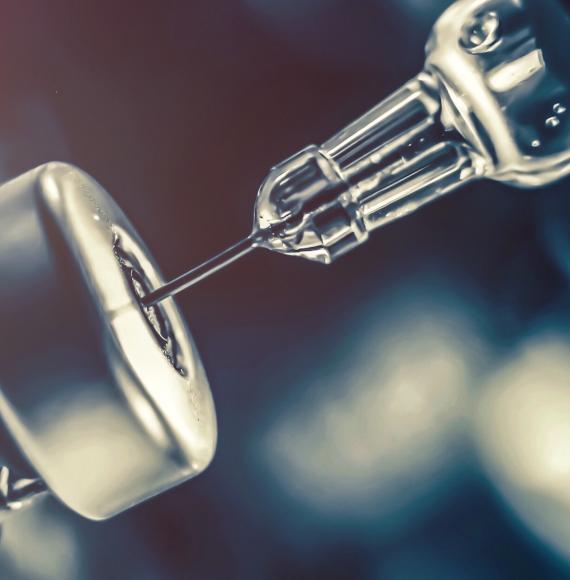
200 272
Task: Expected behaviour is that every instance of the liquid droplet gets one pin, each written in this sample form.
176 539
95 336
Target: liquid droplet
559 109
552 122
482 34
536 143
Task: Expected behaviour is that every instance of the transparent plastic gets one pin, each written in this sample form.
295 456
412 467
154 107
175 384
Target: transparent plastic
489 103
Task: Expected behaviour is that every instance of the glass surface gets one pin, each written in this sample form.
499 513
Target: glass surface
490 103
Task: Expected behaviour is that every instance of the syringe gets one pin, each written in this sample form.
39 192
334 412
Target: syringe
492 101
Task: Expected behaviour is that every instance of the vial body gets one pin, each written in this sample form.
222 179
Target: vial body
108 400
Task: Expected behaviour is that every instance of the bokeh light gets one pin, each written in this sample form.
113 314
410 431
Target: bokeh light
384 426
523 429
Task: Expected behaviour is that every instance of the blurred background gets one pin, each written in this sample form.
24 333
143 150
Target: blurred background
402 415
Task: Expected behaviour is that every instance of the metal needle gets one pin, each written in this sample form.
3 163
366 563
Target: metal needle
200 272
